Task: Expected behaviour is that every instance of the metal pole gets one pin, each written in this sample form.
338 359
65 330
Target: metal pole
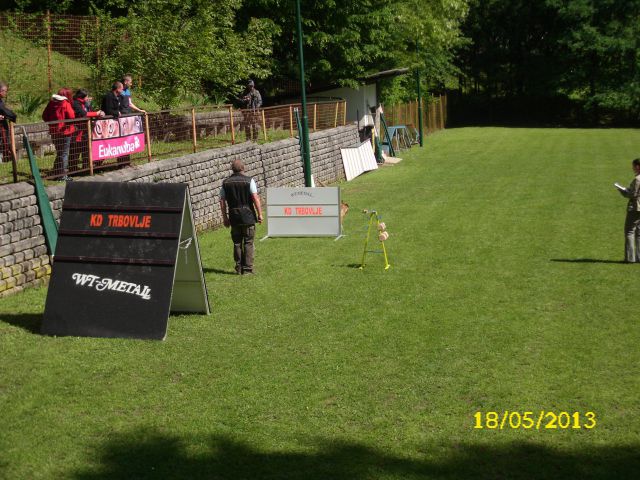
233 131
193 130
12 145
291 121
89 147
264 127
304 135
147 134
49 52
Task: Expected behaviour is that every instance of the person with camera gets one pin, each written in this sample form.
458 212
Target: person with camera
252 101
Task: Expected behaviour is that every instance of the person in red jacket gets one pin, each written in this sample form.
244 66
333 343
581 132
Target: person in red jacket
59 108
80 144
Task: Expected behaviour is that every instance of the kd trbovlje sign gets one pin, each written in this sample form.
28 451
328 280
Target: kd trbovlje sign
303 212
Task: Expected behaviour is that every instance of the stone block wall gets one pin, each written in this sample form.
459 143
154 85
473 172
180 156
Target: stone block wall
23 253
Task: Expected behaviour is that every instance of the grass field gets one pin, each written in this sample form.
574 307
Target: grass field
506 293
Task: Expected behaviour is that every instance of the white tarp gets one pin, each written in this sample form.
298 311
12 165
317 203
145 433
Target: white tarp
356 161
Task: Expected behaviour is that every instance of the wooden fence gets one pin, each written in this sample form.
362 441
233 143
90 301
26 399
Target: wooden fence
169 133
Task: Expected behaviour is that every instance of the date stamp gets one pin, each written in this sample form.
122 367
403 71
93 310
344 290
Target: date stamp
529 420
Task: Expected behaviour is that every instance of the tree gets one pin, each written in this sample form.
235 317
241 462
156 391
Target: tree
601 40
180 47
346 40
581 50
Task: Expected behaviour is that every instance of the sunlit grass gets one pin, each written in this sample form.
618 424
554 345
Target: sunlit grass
505 294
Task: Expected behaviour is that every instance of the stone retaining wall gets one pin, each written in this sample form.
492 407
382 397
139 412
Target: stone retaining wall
23 253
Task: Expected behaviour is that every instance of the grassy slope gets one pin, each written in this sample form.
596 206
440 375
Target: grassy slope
503 294
24 67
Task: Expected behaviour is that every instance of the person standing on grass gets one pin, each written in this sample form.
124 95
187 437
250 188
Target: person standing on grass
6 116
252 101
632 221
239 194
57 110
125 97
82 109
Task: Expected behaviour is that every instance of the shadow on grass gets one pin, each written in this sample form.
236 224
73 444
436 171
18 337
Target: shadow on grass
353 265
219 271
30 322
586 260
152 455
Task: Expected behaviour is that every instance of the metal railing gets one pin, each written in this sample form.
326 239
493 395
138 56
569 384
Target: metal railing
167 133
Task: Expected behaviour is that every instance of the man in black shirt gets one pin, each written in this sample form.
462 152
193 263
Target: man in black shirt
111 103
240 194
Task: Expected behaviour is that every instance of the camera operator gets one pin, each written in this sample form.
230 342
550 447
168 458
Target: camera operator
252 101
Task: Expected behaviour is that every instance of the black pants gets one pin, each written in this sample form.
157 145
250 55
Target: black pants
243 236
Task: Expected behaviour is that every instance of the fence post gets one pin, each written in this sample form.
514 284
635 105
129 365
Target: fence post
291 121
335 120
98 42
233 132
433 114
89 140
264 127
12 141
193 129
315 115
147 134
446 111
344 113
441 113
49 52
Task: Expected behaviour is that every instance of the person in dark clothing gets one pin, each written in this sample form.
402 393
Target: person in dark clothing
632 220
239 195
6 116
112 106
112 103
252 101
82 109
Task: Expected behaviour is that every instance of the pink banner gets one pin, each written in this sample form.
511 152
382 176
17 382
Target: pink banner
117 147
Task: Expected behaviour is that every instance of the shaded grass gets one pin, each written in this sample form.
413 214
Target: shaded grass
504 294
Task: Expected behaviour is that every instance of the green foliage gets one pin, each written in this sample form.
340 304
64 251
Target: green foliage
181 48
346 40
202 47
24 67
584 49
30 103
601 41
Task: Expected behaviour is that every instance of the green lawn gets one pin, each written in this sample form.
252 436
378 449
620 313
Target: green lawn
505 294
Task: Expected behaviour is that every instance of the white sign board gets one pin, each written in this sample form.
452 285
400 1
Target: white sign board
303 212
356 161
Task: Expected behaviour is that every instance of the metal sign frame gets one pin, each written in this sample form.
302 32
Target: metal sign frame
303 212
